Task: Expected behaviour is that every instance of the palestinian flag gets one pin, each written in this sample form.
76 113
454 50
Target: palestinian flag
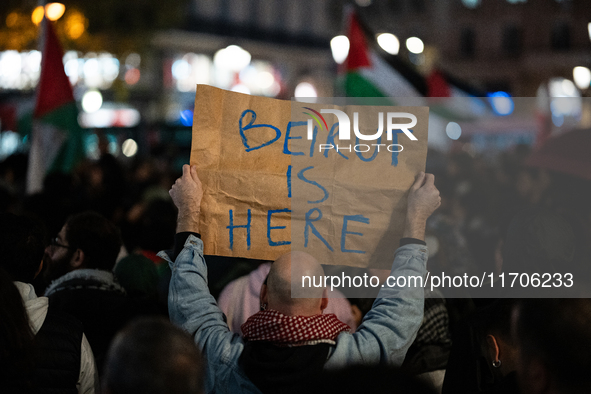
369 72
57 138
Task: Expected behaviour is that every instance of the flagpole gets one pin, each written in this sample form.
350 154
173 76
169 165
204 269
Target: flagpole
35 169
56 138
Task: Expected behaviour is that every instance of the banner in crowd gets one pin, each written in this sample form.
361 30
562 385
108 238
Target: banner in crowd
326 179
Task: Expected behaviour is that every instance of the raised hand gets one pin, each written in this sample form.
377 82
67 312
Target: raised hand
186 194
423 200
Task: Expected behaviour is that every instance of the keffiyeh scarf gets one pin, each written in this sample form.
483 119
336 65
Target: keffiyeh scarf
282 330
85 279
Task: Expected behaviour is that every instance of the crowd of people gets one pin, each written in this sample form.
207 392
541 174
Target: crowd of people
88 304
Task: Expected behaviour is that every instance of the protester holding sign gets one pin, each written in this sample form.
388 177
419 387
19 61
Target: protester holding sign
281 174
290 339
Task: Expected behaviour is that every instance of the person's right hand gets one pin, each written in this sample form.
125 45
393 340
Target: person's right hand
186 194
423 200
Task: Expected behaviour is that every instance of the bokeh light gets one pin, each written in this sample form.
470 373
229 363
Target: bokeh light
233 58
240 88
265 79
339 46
453 130
186 118
471 3
389 43
76 24
415 45
37 15
54 11
12 19
92 101
582 77
305 89
502 103
129 147
133 60
132 76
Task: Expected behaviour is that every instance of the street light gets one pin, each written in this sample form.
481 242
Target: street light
582 77
305 89
53 11
389 43
92 101
339 46
415 45
37 15
233 58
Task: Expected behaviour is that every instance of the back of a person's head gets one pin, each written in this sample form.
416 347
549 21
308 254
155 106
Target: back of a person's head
16 337
494 319
152 356
363 304
21 246
138 275
556 333
97 237
300 297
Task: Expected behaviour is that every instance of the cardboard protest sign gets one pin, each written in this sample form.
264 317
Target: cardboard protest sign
280 176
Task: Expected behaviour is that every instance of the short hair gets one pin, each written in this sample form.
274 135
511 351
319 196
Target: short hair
21 246
495 319
152 356
557 332
97 237
138 275
364 304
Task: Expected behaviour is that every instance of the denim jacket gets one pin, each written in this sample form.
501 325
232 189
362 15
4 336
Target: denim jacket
385 335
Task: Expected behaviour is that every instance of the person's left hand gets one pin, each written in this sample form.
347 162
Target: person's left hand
186 194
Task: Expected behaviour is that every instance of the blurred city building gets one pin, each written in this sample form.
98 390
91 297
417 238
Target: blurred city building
134 65
508 45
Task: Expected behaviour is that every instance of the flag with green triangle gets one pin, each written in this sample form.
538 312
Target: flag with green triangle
57 140
370 72
367 74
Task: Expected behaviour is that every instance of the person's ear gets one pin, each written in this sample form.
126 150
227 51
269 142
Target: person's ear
357 315
263 297
39 269
493 347
77 259
324 302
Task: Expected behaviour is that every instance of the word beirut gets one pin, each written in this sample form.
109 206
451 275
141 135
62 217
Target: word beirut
277 235
345 129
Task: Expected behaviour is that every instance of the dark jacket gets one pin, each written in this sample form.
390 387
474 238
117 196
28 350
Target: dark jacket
100 304
56 358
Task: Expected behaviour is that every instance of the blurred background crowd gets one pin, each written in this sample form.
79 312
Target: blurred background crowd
133 67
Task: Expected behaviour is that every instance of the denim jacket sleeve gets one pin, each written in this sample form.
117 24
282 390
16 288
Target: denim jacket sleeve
192 307
384 336
389 328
